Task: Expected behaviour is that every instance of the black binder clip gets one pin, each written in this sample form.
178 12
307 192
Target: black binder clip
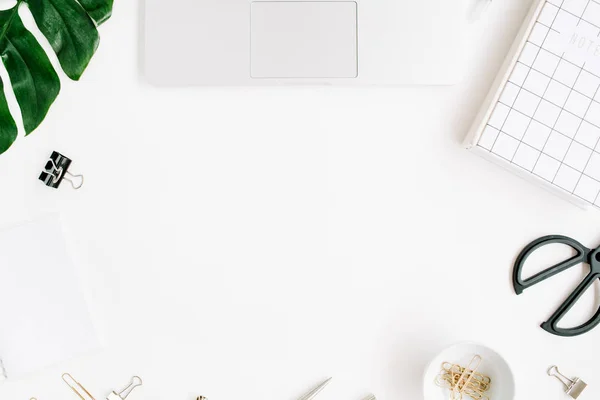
57 170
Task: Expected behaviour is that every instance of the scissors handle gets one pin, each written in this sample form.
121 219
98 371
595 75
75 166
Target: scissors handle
551 325
581 257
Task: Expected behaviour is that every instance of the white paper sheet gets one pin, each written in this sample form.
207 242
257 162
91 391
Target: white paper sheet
43 316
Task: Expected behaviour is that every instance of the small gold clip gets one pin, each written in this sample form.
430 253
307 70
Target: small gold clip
77 387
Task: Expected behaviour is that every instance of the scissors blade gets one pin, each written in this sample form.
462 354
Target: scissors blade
313 393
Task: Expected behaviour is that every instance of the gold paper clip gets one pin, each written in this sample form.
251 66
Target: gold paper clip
77 387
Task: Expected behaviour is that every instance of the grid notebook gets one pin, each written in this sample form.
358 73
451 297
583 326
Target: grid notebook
542 117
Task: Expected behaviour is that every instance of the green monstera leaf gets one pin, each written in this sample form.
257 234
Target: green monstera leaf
71 29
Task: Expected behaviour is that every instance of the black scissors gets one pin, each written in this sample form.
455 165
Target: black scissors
583 255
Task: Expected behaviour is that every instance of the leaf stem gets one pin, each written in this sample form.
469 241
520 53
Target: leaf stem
6 27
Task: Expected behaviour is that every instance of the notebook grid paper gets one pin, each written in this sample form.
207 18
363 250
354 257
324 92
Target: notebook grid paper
547 120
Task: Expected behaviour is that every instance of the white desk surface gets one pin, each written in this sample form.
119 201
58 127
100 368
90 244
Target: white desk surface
247 243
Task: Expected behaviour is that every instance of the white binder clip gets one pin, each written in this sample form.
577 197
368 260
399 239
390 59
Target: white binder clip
122 395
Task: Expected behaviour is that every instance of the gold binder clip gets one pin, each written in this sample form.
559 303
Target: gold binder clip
573 387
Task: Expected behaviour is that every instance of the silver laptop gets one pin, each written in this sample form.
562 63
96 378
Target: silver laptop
244 42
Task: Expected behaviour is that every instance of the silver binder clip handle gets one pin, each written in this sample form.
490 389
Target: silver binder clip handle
73 179
123 394
573 387
553 371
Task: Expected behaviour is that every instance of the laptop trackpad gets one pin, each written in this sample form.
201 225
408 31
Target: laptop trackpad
304 39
